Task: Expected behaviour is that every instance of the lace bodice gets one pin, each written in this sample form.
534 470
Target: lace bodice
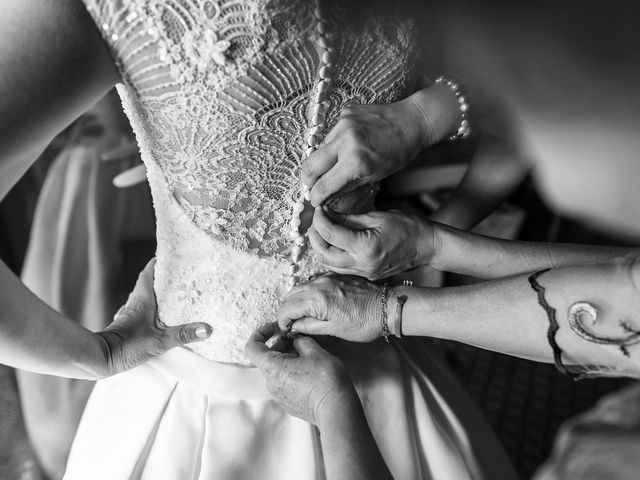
218 94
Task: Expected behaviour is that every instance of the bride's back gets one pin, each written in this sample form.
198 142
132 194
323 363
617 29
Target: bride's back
219 95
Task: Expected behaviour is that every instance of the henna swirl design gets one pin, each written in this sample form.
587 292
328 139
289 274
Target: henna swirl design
580 309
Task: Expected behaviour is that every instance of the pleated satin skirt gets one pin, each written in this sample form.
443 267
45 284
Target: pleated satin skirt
182 417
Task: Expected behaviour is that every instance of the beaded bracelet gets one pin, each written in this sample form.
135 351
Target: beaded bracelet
464 128
385 325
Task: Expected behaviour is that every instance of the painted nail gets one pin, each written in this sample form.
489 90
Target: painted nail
202 332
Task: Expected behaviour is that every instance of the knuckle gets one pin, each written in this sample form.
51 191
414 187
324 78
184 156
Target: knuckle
372 246
183 335
323 281
321 301
364 166
307 169
376 251
345 123
354 135
327 234
349 111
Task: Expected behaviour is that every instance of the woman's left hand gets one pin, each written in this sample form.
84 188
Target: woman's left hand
346 307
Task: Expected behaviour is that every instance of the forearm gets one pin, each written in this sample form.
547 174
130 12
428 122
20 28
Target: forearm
485 257
36 338
492 176
348 447
505 315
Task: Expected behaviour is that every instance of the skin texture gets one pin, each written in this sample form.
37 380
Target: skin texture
487 314
137 334
48 343
380 244
346 300
375 245
370 142
55 64
311 384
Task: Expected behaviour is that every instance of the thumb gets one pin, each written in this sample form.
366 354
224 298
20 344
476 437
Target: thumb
358 221
306 346
191 332
310 326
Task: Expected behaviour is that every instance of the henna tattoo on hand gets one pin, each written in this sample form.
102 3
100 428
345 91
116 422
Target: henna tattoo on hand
579 309
553 322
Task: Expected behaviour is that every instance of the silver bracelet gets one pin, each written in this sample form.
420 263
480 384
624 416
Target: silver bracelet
396 325
385 325
397 320
464 128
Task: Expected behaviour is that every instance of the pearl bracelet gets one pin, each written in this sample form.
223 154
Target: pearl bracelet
464 128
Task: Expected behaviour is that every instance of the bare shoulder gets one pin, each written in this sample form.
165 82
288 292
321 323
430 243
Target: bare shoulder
54 65
43 36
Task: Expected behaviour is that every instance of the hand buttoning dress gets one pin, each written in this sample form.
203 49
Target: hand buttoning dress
220 95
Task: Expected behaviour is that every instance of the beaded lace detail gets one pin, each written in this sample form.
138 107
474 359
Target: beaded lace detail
218 94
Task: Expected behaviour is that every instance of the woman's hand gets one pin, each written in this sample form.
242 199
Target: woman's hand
374 245
136 334
367 144
308 382
370 142
341 306
311 384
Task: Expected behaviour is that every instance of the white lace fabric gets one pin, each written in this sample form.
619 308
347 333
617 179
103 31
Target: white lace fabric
218 95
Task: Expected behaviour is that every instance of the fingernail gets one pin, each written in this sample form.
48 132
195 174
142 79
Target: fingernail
202 332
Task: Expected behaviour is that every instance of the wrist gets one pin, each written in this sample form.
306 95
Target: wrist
102 361
339 409
430 243
438 113
422 132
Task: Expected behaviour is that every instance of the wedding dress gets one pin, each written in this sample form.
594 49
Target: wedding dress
219 94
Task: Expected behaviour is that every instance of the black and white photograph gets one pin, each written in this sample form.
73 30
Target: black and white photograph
319 240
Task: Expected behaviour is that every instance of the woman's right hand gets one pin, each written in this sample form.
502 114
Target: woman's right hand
341 306
371 142
367 144
374 245
306 380
137 334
